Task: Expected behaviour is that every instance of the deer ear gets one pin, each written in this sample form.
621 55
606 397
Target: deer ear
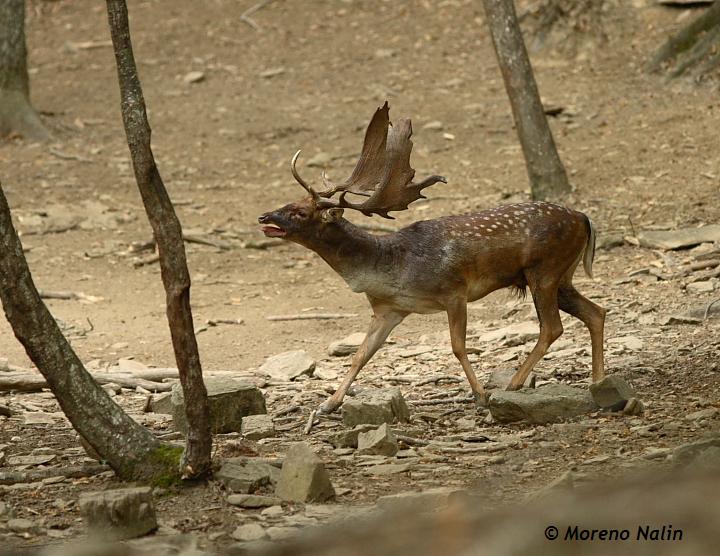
332 215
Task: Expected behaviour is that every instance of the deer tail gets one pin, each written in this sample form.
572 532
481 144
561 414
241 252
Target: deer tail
589 255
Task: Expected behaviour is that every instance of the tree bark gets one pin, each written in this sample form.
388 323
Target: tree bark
545 170
16 113
130 449
168 236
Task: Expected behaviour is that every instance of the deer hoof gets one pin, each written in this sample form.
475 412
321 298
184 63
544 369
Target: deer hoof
328 406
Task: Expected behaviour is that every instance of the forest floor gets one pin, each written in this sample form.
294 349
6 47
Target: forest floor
641 154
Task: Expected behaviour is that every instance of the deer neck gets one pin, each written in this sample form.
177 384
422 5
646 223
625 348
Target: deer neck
356 255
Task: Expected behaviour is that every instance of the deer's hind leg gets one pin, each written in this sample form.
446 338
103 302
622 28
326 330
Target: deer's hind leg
593 316
381 324
545 298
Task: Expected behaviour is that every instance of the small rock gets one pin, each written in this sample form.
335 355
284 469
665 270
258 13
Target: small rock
709 413
705 286
303 477
230 400
632 343
249 532
686 454
272 72
6 511
380 441
676 239
288 365
273 511
253 501
612 392
255 427
550 402
389 468
419 501
21 526
349 439
383 53
162 403
633 407
564 483
280 533
194 77
434 126
375 407
499 379
119 514
246 475
348 345
707 460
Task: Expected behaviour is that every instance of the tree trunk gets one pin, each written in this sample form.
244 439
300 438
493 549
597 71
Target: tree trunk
695 47
545 170
130 449
16 113
168 236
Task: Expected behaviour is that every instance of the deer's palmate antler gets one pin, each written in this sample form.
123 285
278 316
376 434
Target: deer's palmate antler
441 264
382 175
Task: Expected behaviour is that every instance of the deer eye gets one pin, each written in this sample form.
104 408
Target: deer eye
301 214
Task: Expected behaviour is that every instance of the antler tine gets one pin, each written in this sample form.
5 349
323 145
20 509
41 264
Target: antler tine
313 193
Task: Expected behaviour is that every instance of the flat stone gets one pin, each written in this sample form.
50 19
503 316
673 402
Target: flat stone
705 286
245 475
549 403
253 501
685 454
256 427
347 346
119 514
708 413
249 532
21 525
389 468
273 511
499 379
419 501
375 407
194 77
31 459
612 392
162 403
349 439
288 365
380 441
281 533
513 334
303 477
230 400
678 239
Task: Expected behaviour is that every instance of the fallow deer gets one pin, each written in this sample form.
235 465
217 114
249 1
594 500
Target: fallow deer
441 264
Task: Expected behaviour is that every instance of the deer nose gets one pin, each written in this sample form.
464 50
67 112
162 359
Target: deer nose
263 218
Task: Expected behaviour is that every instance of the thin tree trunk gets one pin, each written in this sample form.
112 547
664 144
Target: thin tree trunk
545 170
16 113
130 449
168 236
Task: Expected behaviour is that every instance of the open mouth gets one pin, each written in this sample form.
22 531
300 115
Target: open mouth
273 231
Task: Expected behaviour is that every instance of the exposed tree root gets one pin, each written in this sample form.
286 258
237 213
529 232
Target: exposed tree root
695 49
568 26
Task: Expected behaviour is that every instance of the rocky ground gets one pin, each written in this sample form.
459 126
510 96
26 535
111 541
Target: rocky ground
229 105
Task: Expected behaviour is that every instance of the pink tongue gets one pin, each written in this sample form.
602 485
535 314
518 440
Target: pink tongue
273 231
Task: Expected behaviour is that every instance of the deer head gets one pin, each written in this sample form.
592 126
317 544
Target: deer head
382 177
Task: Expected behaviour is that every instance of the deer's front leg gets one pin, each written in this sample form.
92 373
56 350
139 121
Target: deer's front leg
457 319
382 323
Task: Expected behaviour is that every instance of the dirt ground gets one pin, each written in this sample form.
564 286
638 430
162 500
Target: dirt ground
641 154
